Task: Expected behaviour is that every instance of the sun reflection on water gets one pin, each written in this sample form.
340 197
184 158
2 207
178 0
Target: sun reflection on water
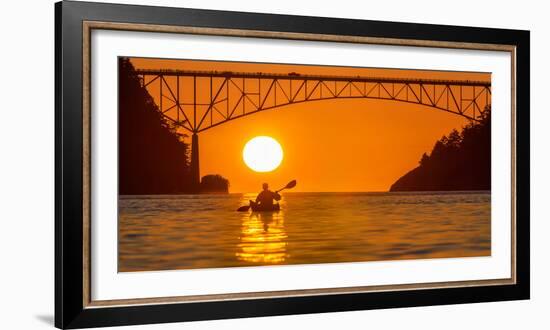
263 237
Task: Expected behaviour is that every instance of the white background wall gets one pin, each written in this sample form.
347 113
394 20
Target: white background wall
27 163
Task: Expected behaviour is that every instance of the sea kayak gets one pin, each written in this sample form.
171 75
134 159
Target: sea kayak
255 207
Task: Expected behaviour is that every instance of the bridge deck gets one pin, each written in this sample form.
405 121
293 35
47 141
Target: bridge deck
297 76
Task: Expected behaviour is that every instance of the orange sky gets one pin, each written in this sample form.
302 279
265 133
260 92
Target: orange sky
329 145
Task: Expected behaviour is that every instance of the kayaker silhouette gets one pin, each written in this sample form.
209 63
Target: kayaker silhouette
266 198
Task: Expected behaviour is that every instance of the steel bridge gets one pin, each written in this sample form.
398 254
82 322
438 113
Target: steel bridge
196 101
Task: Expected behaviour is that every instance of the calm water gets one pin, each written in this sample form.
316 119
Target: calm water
202 231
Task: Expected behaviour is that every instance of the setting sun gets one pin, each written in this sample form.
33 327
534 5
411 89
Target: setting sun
262 154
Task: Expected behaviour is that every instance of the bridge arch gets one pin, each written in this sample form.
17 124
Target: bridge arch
196 101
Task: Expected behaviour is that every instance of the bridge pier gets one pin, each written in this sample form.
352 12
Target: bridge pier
195 169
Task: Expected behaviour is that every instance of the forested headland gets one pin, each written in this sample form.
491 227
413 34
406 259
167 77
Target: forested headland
153 156
458 161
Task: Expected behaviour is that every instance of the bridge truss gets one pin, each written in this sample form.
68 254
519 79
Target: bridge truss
196 101
199 100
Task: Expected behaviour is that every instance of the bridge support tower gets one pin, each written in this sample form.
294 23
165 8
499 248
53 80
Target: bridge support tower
195 169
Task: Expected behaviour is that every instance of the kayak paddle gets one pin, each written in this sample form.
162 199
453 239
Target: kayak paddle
243 208
289 185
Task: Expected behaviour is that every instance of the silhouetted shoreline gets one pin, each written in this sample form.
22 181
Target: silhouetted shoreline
458 161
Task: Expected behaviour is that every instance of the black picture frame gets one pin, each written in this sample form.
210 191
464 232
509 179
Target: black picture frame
70 310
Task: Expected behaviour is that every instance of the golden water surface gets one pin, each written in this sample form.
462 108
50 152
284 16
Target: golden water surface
205 231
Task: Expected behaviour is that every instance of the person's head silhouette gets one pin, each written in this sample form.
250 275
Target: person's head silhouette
265 186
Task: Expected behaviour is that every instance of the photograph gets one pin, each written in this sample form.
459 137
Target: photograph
239 164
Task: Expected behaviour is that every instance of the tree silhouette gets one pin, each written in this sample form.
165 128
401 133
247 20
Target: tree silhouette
458 161
153 157
214 183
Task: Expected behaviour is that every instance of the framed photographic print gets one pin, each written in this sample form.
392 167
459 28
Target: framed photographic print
218 164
